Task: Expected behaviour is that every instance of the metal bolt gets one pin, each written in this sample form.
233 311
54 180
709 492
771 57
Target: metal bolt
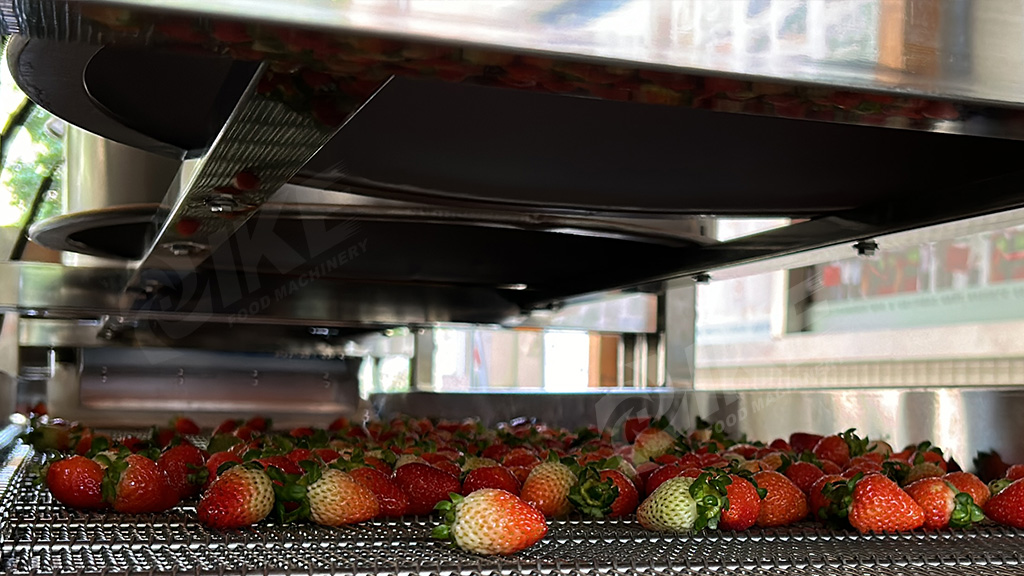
702 278
866 247
218 204
184 248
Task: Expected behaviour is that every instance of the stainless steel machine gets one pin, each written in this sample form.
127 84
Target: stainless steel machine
268 204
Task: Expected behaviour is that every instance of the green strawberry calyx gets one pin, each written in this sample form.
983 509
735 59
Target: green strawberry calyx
709 492
591 495
448 509
840 497
965 511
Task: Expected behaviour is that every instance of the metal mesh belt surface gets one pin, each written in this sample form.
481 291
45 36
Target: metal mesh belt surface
40 536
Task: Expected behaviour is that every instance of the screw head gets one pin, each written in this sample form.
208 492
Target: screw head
702 278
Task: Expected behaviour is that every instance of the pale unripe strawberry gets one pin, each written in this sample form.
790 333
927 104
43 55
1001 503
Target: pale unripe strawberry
491 521
650 444
547 488
239 497
670 508
337 499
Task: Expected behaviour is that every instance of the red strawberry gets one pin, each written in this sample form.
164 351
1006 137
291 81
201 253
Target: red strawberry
226 427
744 505
827 509
784 503
183 425
300 454
425 486
282 463
782 446
971 484
879 505
990 466
926 453
520 457
659 476
491 521
180 465
1015 472
495 452
76 482
136 485
943 505
393 502
521 472
1007 507
830 467
490 477
839 448
804 475
547 488
245 180
258 423
214 462
449 467
239 497
328 455
632 428
336 499
803 442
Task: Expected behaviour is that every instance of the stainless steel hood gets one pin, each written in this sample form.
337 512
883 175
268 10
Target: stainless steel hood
578 121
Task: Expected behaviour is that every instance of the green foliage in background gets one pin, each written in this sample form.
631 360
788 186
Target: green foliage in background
33 151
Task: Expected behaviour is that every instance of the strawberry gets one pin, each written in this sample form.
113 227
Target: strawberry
990 466
180 464
825 505
393 502
520 457
246 180
632 427
214 464
183 425
743 507
943 505
922 470
653 441
1015 472
547 488
135 484
491 521
802 441
473 462
1007 506
76 482
663 473
226 427
603 493
495 452
803 474
425 486
784 503
683 504
839 448
239 497
336 499
490 477
926 453
971 484
258 423
879 505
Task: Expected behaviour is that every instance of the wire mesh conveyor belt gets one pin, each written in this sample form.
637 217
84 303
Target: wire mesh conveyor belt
40 536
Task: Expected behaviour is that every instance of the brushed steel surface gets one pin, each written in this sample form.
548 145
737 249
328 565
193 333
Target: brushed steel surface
100 173
961 421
